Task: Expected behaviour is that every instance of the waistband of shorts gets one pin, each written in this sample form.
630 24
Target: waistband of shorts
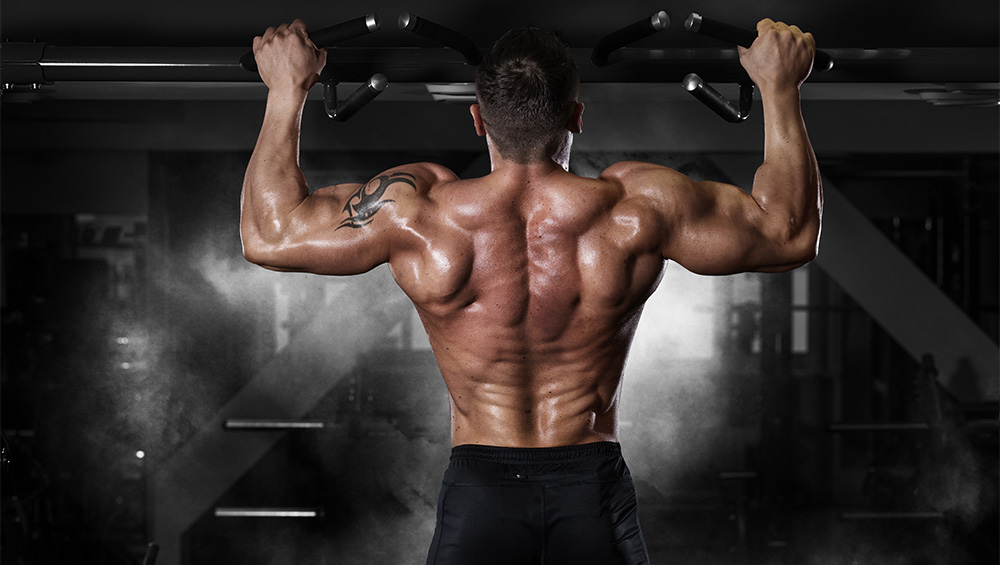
558 454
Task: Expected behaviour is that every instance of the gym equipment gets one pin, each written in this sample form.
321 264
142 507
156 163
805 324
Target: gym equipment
256 512
260 424
442 35
30 68
745 37
890 484
717 102
711 97
328 37
358 99
627 35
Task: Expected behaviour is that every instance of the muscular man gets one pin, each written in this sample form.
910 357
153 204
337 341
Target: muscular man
530 280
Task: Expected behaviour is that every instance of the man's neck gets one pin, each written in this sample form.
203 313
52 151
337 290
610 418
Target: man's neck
534 170
559 160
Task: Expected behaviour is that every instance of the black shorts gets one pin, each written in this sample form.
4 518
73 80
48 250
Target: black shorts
552 505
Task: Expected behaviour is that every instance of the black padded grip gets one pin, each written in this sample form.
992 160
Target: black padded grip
717 102
742 36
329 36
442 35
627 35
357 100
350 29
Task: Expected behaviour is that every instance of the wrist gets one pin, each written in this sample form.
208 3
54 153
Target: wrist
780 100
780 92
289 98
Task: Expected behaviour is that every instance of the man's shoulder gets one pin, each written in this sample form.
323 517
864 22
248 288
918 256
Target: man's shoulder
423 176
637 176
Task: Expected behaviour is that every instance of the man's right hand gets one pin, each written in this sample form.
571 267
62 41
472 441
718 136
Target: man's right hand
780 57
715 228
287 58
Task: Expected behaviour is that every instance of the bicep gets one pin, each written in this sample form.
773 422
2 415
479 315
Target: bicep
336 230
714 228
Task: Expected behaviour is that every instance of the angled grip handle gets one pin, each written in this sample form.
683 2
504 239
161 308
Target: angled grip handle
440 34
627 35
719 103
358 99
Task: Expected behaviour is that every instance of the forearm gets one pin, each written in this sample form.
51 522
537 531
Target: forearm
787 185
274 184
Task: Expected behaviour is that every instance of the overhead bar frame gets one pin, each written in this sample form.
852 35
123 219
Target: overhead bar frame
30 63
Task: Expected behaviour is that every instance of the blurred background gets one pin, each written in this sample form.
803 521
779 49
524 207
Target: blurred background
158 388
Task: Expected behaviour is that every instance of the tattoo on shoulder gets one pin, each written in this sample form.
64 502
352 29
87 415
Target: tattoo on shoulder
369 199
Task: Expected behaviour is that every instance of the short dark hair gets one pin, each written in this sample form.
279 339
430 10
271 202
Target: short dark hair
527 88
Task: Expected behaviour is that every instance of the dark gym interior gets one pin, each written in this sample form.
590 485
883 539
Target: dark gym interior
157 388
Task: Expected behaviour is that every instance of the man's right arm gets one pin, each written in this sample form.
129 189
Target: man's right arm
716 228
336 230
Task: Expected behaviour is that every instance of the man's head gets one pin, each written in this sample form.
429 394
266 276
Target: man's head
527 88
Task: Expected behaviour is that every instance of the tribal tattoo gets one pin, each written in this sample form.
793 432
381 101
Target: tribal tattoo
368 200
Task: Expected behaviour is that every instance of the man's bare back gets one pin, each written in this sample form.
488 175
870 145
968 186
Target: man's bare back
530 281
530 287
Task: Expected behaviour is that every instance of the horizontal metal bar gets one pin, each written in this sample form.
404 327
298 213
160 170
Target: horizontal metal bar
737 475
892 515
144 63
879 427
271 424
440 65
225 512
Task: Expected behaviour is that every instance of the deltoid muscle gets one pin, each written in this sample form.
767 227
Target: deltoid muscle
363 205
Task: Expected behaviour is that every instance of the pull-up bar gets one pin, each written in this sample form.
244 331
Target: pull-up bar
25 64
329 36
737 36
611 60
745 37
